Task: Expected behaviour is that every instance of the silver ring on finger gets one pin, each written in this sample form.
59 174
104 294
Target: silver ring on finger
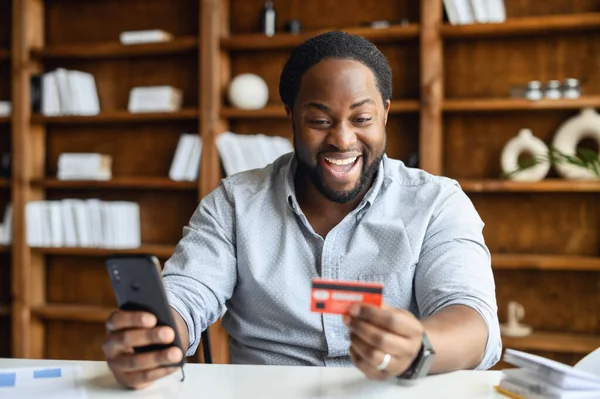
384 363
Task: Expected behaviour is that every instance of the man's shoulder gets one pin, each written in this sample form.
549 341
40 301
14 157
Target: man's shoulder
400 174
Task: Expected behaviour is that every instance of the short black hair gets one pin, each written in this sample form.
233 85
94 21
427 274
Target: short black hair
338 45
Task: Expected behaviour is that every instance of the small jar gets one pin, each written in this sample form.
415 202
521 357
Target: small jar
534 90
571 88
553 90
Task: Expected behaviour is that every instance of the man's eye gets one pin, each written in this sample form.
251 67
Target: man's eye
363 120
319 122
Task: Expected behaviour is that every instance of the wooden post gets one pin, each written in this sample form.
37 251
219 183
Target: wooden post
432 89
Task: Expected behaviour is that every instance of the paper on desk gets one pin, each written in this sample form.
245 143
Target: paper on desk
42 382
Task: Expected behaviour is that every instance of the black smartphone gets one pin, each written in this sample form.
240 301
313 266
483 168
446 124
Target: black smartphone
138 286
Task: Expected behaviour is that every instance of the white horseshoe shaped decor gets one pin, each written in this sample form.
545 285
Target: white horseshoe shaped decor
525 142
571 132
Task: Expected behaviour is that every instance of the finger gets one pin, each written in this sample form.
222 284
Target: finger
368 370
368 353
141 379
144 361
123 319
123 341
398 321
383 340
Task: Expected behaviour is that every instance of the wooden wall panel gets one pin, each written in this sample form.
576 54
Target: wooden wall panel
488 68
163 213
534 8
180 71
154 145
553 301
71 21
554 223
474 142
85 340
320 14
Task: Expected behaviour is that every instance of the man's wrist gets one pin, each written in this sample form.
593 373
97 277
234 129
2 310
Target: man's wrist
421 365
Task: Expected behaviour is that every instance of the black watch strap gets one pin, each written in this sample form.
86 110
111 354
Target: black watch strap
422 363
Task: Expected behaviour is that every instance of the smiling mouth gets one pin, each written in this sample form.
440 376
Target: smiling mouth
341 168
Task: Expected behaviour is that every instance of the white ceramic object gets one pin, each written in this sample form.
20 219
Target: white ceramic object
248 91
569 134
525 141
513 327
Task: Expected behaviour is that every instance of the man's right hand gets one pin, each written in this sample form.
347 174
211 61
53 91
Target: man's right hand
129 329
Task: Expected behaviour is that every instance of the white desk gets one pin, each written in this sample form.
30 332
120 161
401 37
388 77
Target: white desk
265 382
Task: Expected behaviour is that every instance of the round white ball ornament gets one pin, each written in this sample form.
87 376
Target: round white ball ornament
525 141
248 91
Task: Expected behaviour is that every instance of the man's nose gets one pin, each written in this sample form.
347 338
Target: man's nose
342 136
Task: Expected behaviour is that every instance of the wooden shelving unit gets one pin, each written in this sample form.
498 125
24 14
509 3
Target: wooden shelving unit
161 251
4 311
545 262
4 54
148 183
4 182
513 104
257 41
5 249
79 313
554 342
544 186
119 117
541 25
116 49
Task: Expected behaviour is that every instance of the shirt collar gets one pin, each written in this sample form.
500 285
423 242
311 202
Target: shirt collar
290 188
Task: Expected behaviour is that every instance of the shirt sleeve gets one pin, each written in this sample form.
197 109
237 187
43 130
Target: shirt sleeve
200 276
455 267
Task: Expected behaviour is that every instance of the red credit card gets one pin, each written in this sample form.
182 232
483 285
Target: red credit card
333 296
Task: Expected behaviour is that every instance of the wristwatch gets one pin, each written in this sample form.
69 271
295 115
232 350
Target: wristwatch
422 363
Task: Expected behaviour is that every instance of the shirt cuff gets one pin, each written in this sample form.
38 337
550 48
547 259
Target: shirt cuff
180 307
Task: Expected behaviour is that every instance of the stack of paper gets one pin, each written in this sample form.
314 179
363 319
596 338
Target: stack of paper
84 166
65 92
464 12
240 152
539 378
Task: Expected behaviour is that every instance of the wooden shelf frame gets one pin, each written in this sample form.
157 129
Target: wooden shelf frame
5 119
5 311
116 49
554 342
4 54
542 25
68 312
545 262
120 116
5 182
516 104
160 250
544 186
257 41
145 183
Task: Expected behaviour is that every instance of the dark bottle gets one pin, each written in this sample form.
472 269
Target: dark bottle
268 19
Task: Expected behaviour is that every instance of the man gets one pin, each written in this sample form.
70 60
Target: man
337 208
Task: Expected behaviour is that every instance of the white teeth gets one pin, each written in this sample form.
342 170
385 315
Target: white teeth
347 161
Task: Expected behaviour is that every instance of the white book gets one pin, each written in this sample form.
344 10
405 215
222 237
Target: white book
280 146
46 223
193 166
30 218
465 14
64 91
84 93
496 11
480 11
230 153
134 232
155 99
5 108
56 225
7 225
68 221
50 96
81 222
144 36
181 158
94 207
451 12
108 231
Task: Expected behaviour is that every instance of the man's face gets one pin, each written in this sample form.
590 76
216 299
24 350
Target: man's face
339 127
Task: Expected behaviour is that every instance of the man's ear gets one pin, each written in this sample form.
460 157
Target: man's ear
387 106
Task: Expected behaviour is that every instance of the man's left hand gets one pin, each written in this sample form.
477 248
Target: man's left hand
375 332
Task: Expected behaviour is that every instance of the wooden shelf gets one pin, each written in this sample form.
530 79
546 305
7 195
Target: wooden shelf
278 111
517 104
118 117
4 119
70 312
544 186
116 49
525 26
258 41
160 250
4 249
149 183
545 262
5 310
554 342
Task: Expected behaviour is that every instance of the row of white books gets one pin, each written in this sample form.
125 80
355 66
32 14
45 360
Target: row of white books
465 12
186 161
240 152
83 223
537 377
65 92
6 226
84 166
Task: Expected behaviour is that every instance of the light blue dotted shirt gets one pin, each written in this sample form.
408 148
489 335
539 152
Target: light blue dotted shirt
250 252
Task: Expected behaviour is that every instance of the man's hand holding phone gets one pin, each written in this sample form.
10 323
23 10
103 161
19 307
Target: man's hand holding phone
129 329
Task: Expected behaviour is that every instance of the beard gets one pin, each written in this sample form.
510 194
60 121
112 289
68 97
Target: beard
315 173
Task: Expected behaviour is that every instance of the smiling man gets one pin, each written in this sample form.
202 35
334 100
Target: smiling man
336 208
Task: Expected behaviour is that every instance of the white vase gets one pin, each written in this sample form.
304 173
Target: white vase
525 141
